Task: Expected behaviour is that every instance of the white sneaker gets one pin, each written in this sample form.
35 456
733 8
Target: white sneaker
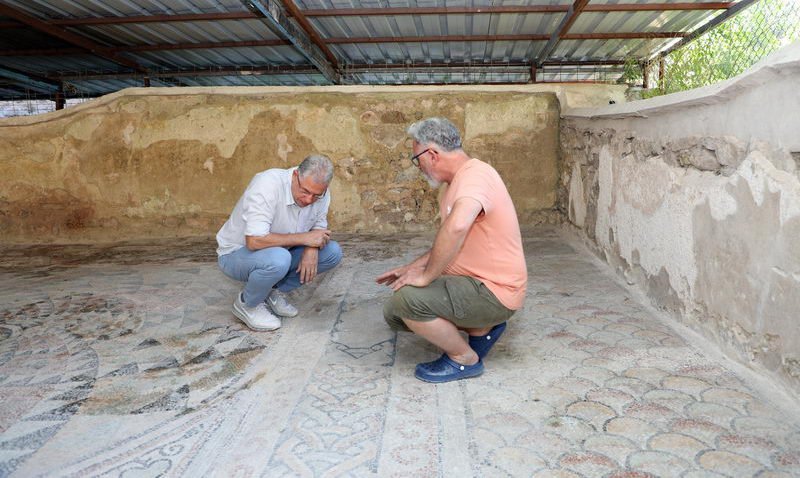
257 318
279 305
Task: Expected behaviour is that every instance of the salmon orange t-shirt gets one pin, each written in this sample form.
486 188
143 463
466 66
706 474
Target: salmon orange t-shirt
492 251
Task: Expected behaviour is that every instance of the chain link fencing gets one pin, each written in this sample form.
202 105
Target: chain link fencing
729 49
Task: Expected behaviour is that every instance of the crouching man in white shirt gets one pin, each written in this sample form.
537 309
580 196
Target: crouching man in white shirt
277 239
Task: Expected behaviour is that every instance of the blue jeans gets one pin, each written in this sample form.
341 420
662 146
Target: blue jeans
273 267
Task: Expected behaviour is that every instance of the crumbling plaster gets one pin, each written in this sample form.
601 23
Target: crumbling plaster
695 198
171 162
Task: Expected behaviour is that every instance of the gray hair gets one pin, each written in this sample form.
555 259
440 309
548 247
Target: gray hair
439 131
318 167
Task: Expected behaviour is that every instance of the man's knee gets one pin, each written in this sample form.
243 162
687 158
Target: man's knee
275 260
332 254
392 311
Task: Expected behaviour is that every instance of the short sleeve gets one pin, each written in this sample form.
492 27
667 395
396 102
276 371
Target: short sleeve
258 209
476 184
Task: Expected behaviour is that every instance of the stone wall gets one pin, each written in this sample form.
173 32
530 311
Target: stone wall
172 162
696 199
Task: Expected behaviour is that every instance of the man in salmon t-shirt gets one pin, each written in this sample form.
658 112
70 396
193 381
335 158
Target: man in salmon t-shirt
474 277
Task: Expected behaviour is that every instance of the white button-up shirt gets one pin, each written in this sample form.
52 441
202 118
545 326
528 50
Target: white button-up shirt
266 206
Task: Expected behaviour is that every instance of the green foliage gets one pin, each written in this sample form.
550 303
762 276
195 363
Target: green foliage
632 71
731 48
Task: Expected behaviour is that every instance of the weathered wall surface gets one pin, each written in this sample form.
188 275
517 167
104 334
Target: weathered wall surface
172 162
700 211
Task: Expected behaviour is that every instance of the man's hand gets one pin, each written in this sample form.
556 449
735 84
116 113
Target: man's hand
388 278
307 269
402 276
317 238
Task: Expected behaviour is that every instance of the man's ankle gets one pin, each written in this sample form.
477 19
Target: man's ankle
478 332
470 358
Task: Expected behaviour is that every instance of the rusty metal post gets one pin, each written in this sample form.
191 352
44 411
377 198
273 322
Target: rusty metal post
60 100
645 74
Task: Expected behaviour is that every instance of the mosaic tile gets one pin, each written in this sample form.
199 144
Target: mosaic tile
136 344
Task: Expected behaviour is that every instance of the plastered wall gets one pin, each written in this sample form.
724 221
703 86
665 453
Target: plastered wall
171 162
695 198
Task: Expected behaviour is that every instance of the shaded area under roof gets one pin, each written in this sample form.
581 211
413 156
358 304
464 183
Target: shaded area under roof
84 48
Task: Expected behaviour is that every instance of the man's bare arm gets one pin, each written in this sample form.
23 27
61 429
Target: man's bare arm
389 277
448 242
451 235
314 238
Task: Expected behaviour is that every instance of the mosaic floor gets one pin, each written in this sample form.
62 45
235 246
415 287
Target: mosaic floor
126 361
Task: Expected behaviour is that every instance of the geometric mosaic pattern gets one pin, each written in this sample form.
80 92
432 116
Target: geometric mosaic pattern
126 361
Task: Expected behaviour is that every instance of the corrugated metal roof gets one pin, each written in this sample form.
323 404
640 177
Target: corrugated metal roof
480 41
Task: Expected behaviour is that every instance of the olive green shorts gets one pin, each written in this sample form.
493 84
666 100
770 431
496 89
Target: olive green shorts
462 300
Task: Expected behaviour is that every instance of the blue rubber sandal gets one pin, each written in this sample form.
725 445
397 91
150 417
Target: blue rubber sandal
481 344
445 369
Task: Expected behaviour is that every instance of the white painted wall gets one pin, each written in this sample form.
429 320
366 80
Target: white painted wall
695 197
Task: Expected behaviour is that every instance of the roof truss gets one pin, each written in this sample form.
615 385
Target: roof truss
324 52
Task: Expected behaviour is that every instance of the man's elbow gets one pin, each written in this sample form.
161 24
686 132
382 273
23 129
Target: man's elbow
459 227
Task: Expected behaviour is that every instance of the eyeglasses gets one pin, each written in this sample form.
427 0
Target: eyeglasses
306 192
415 158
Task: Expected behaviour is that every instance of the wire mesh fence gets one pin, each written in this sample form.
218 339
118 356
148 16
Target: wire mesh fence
729 49
37 102
33 106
